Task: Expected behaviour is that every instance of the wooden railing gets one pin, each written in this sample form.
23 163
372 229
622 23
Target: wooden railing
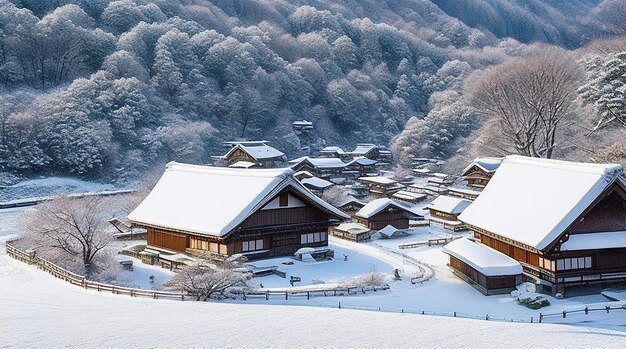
82 281
431 242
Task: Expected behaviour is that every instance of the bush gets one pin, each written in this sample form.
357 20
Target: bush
533 303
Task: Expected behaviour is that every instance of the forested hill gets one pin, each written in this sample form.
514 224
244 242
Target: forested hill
110 88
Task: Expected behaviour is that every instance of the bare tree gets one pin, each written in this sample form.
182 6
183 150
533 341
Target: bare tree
77 227
206 280
529 99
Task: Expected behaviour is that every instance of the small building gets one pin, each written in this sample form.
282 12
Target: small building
391 232
367 150
244 164
382 212
445 210
479 172
256 152
408 196
361 167
216 211
427 189
332 152
319 167
467 194
316 185
382 186
421 172
351 231
487 270
566 227
302 126
359 189
351 206
440 181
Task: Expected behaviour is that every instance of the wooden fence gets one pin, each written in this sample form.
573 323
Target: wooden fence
79 280
431 242
586 310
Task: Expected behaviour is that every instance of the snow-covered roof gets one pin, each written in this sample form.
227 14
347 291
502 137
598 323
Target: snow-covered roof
316 182
449 204
390 231
533 201
214 200
375 206
407 195
243 164
353 228
259 150
320 162
363 148
302 123
332 149
487 164
351 200
486 260
592 241
363 161
464 191
378 180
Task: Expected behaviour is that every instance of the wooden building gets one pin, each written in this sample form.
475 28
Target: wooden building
320 167
445 210
407 196
333 152
316 185
487 270
479 172
379 213
568 227
382 186
467 194
222 211
302 126
360 167
352 231
242 154
351 206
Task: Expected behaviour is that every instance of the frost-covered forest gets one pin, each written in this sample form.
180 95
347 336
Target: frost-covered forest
110 89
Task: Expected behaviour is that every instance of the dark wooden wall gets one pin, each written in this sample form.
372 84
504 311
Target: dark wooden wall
512 251
607 215
488 282
283 216
396 218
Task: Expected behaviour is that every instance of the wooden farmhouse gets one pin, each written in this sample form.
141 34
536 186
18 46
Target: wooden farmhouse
302 126
351 206
566 226
463 193
333 152
320 167
487 270
260 213
379 213
382 186
248 154
479 172
445 210
316 185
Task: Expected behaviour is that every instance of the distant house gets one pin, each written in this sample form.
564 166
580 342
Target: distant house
302 126
408 196
445 210
382 212
351 231
391 232
316 185
468 194
479 172
566 227
319 167
332 152
360 167
382 186
222 211
256 152
487 270
351 206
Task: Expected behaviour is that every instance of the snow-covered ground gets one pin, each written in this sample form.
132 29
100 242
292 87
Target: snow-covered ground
50 186
39 310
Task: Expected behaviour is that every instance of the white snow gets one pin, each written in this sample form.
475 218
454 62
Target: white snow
592 241
320 162
378 180
242 164
486 260
316 182
389 231
213 200
353 228
449 204
534 200
362 149
258 150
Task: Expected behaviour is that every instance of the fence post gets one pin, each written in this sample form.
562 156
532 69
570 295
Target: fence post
608 307
540 317
308 295
286 295
564 313
586 310
531 319
455 314
244 296
182 297
487 317
339 305
267 295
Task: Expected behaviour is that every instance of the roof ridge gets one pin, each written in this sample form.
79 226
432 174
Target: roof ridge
586 167
203 169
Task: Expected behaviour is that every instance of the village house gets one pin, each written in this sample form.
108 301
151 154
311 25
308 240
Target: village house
319 167
332 152
360 167
463 193
487 270
382 186
247 154
316 185
479 172
445 210
202 210
566 228
379 213
407 196
351 206
302 126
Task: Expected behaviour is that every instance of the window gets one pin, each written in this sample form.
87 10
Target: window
574 263
252 245
283 200
313 237
546 264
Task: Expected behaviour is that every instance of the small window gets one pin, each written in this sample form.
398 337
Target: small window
283 200
259 244
303 239
560 264
587 262
245 246
223 249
